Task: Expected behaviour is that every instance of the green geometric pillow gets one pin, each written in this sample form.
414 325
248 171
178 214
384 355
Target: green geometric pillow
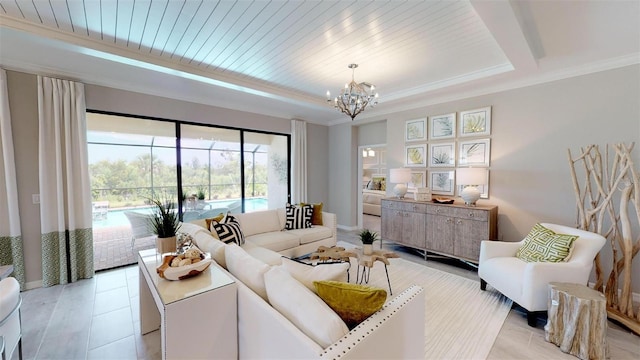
544 245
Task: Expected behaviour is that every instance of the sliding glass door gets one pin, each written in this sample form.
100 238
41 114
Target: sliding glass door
213 170
131 160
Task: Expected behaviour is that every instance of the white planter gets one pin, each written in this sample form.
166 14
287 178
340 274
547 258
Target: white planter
367 249
166 245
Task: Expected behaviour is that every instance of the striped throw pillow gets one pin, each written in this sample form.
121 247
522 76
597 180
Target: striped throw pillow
298 217
229 230
544 245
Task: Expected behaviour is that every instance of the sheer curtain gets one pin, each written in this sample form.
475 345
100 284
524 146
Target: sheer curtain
65 195
10 233
298 161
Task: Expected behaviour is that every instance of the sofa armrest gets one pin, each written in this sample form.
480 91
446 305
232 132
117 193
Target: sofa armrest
401 319
330 220
491 249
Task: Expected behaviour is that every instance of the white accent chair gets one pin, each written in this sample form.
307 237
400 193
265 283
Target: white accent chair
526 283
10 323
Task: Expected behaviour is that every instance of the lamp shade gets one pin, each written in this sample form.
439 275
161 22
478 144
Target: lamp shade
400 175
471 176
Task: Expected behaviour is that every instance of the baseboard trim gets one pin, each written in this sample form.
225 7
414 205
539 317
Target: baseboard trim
347 228
33 285
635 296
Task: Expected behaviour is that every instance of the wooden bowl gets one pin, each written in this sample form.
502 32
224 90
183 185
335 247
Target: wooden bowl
182 272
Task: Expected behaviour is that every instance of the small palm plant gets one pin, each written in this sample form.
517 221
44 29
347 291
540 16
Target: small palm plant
164 221
368 237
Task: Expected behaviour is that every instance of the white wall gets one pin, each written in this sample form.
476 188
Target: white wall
532 128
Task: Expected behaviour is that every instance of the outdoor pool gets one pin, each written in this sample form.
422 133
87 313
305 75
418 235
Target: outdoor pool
116 217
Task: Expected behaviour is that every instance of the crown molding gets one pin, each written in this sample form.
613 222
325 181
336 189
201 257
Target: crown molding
540 78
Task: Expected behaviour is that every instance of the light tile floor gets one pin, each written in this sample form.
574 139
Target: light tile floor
98 318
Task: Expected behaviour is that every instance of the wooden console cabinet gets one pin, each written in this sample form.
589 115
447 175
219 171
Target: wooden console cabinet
453 230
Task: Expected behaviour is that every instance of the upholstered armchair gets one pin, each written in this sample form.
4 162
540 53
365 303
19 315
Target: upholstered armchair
10 326
526 283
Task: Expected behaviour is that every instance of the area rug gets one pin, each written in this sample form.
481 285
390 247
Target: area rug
461 321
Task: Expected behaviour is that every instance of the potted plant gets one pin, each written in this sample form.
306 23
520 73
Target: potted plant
368 237
165 223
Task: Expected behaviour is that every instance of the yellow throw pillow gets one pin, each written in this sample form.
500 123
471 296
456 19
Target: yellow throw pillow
544 245
215 218
353 303
316 218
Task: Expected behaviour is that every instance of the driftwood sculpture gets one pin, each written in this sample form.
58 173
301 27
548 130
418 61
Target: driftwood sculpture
608 203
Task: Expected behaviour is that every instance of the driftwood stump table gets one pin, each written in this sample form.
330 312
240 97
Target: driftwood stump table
577 320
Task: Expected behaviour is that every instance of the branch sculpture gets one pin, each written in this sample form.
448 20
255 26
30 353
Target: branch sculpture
608 203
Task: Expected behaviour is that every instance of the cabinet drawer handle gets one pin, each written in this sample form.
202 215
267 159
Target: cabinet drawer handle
470 214
448 221
459 222
438 211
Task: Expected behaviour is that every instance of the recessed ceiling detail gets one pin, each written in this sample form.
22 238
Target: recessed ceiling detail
292 51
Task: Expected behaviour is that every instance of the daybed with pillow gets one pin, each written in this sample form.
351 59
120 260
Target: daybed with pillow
372 195
281 316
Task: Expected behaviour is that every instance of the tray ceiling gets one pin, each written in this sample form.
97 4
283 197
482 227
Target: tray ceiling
280 57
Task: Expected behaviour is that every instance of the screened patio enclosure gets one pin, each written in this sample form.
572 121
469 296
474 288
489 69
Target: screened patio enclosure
205 169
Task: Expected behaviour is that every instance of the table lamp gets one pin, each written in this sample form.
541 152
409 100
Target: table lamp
400 177
470 179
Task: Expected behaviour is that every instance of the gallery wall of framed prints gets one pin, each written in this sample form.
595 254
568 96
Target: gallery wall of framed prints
437 145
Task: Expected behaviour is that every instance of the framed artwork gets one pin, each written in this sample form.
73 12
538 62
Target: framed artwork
415 156
475 122
418 180
441 182
415 130
442 126
484 189
475 152
443 155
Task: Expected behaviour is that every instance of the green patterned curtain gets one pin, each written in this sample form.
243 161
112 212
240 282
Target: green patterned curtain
65 193
10 233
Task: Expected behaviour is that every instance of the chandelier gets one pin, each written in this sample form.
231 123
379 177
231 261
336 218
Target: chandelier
354 98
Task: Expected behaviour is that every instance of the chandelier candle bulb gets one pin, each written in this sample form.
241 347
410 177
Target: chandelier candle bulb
355 97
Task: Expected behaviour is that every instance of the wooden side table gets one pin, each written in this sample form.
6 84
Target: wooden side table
577 320
367 262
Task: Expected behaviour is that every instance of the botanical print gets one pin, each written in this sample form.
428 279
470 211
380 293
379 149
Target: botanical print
442 182
415 155
415 130
417 179
443 155
475 122
475 152
442 126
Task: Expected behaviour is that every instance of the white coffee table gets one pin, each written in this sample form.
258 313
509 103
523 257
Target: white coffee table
197 317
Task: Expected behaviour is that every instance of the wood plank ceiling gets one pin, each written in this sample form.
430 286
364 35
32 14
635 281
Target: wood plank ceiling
299 46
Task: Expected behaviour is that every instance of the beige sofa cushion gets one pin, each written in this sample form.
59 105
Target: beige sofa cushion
303 308
307 274
276 241
312 234
246 268
259 222
267 256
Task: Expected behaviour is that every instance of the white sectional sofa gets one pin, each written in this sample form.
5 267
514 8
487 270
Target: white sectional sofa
396 331
266 229
372 201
